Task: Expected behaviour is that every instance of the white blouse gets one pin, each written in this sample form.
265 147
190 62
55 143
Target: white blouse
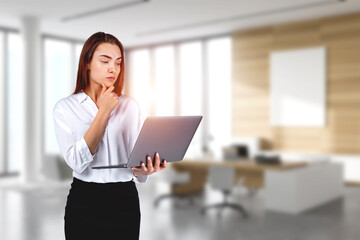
73 116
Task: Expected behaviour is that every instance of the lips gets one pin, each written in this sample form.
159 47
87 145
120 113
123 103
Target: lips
110 78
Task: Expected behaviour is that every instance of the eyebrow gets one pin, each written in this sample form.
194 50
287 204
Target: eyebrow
109 57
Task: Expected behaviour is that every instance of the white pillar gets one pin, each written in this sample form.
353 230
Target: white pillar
30 32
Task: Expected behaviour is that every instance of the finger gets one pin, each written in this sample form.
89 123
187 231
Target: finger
163 165
103 88
149 164
110 89
135 171
157 162
143 167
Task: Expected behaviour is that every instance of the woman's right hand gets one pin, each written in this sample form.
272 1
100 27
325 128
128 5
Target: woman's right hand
107 100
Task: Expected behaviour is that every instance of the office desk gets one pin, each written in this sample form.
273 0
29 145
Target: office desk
252 172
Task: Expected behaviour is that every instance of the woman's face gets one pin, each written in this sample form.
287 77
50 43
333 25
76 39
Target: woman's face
105 64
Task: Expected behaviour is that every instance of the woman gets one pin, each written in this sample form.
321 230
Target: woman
98 126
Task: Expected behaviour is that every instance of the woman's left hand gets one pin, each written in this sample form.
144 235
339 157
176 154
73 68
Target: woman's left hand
150 168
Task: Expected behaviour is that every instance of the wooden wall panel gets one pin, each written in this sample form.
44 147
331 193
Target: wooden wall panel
251 107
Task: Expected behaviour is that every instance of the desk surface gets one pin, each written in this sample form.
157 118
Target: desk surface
251 171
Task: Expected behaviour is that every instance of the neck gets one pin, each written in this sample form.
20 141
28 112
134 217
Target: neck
93 91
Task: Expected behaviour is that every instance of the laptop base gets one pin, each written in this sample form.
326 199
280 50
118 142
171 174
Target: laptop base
113 166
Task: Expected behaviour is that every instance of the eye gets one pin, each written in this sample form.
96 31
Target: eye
104 61
118 64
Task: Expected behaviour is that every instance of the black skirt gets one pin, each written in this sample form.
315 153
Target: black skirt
102 211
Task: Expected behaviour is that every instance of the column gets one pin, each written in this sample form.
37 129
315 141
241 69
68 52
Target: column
30 32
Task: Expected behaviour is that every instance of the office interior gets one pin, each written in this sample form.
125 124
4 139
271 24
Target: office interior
277 84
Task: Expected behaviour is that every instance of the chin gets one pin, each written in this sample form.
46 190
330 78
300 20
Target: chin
109 84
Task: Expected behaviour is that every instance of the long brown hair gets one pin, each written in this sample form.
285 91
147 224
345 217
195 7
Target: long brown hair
86 55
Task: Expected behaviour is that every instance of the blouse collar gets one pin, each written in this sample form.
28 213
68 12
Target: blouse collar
81 96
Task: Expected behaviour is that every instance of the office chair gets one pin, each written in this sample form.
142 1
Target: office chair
223 178
172 177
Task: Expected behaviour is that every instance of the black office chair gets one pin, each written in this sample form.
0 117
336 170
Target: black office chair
173 177
223 178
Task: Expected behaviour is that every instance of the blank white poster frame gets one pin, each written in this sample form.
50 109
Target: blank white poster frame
298 87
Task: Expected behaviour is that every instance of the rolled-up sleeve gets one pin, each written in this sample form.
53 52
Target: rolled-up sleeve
75 151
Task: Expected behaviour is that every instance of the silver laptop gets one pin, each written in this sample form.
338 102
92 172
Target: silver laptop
169 136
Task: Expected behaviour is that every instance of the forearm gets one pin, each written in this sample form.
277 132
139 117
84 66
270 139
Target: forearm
96 130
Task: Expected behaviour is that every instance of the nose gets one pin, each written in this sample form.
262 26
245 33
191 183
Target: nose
110 68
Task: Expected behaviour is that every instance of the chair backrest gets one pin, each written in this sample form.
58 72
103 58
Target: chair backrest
221 177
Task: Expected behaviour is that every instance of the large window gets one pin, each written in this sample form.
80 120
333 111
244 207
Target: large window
191 78
164 84
140 84
2 103
61 62
60 58
57 84
191 90
219 93
15 104
12 122
165 80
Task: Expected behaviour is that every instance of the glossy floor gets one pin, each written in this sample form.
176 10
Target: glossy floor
35 212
